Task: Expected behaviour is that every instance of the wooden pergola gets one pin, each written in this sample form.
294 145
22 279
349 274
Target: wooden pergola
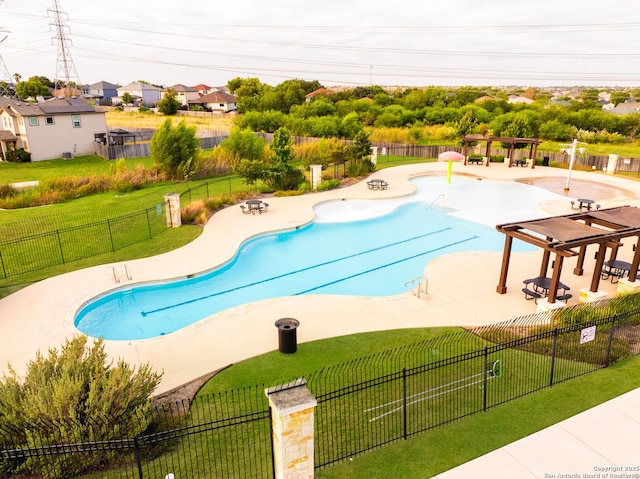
532 142
568 236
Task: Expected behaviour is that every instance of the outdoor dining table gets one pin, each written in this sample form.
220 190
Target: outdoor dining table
253 206
615 269
377 184
542 284
585 203
540 288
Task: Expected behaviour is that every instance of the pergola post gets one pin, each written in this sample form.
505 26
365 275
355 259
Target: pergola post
504 270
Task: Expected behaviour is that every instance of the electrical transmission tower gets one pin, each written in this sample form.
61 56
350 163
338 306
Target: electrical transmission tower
5 76
65 68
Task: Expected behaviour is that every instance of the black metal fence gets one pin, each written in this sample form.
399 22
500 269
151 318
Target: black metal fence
20 254
362 404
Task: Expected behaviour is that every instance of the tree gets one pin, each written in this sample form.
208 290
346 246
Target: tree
79 394
360 153
243 144
31 89
169 104
173 149
282 175
44 80
127 99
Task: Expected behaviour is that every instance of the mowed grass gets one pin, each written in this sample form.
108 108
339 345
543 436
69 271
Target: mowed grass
441 448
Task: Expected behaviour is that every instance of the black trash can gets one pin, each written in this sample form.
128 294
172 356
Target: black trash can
545 161
287 340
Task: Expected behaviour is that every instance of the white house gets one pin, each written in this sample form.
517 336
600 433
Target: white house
55 128
142 93
217 101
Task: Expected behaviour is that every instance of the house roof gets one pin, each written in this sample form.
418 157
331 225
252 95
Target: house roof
215 97
320 91
52 106
138 86
6 135
183 88
67 91
202 86
103 85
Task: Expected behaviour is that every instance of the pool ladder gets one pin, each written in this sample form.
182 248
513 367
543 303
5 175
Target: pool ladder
116 276
423 285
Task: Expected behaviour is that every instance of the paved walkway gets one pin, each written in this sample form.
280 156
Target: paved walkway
41 316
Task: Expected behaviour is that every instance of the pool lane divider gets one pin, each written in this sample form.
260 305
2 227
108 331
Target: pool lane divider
319 265
386 265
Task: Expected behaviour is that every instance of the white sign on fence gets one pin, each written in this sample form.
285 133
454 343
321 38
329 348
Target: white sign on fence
587 334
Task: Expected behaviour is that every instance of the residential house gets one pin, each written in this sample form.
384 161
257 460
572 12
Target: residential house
54 128
67 91
184 94
204 89
626 108
217 101
515 99
142 94
319 92
101 92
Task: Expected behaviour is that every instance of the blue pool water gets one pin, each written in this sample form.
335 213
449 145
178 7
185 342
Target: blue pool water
374 256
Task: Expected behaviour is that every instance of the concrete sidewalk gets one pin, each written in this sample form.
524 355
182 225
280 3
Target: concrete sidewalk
602 442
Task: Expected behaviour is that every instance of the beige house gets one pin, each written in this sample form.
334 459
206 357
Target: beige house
184 94
55 128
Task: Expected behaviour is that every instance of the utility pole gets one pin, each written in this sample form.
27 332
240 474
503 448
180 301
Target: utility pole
65 68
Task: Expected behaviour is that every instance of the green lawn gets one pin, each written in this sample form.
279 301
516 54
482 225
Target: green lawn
442 448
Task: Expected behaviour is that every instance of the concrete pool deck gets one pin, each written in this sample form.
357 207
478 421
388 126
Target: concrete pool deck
40 316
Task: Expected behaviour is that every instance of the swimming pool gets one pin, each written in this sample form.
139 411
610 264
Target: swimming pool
353 247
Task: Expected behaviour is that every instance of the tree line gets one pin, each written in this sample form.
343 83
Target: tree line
345 112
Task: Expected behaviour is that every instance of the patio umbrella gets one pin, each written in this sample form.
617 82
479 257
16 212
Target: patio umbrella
450 156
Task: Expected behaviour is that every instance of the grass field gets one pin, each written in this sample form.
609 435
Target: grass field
125 119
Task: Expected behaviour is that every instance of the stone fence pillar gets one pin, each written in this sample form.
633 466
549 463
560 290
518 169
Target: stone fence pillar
316 176
292 411
612 164
172 202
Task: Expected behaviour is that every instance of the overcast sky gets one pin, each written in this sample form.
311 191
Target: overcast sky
347 42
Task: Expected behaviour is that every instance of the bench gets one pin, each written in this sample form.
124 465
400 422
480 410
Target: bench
475 159
521 162
564 297
529 294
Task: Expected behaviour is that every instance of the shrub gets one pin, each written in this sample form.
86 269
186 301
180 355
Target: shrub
328 185
194 213
281 193
8 191
19 155
76 393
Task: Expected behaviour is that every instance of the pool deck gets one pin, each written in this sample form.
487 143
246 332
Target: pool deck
40 316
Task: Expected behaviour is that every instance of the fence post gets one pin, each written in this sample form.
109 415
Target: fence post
553 355
608 357
292 423
485 379
60 246
113 248
138 458
404 401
